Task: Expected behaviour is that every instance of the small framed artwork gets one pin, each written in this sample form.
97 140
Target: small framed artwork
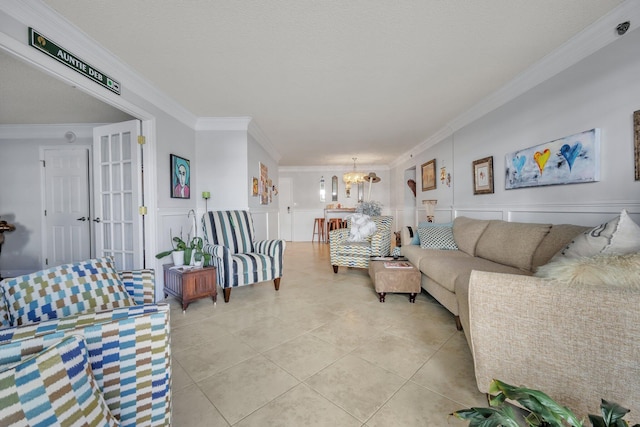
483 176
180 177
254 187
636 141
429 175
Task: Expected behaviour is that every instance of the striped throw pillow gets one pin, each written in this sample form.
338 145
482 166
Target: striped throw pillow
53 387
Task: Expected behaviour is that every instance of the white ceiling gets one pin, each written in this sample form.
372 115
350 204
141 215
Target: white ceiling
328 80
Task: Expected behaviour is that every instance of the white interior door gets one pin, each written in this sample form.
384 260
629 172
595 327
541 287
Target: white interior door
286 209
67 222
118 193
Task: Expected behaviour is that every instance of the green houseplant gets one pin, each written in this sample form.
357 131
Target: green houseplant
179 248
540 411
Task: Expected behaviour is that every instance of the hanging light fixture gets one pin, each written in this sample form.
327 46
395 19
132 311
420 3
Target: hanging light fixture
353 177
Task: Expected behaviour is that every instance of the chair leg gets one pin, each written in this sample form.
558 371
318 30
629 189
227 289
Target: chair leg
335 269
276 283
227 294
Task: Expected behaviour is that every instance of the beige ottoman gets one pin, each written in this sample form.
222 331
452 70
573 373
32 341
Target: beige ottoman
388 279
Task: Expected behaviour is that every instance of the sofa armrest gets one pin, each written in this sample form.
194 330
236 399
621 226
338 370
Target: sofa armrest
129 355
140 284
576 343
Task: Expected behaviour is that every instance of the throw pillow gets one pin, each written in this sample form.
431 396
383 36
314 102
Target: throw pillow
53 387
416 236
361 227
437 238
91 285
618 236
603 269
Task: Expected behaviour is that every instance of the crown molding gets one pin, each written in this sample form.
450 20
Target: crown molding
13 132
54 26
264 141
222 123
593 38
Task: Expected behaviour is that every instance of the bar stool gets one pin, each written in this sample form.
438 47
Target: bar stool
335 223
318 228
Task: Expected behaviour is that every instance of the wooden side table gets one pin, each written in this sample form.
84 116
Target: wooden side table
190 284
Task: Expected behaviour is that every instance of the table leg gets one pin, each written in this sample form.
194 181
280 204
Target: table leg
412 297
381 295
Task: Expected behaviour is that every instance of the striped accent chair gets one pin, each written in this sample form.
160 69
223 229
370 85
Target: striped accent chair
240 261
357 254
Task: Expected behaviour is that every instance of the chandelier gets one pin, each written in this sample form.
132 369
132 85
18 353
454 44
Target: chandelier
352 177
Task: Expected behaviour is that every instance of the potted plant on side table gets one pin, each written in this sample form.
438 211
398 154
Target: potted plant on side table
178 251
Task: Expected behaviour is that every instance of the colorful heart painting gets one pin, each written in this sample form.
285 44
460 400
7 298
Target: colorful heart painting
541 158
571 153
519 162
569 160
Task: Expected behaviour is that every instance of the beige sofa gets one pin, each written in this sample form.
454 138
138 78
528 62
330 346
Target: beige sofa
576 343
484 245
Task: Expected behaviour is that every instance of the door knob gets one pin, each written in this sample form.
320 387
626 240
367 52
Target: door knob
96 220
83 218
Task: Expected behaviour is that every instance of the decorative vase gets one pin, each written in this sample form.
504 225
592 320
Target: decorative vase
178 258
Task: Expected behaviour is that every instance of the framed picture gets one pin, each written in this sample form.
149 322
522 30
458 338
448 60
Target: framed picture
254 187
263 188
180 177
636 141
483 176
429 175
570 160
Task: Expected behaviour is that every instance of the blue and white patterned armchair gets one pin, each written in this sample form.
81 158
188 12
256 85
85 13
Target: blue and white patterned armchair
240 261
356 254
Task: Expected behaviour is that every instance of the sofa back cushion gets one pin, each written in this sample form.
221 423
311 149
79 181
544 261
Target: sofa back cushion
232 229
511 243
467 232
559 237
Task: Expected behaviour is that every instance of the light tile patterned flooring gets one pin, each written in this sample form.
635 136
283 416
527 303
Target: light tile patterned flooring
320 352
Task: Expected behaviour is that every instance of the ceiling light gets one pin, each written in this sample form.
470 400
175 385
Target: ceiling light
353 177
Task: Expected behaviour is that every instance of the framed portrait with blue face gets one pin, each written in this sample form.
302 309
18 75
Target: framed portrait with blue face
180 177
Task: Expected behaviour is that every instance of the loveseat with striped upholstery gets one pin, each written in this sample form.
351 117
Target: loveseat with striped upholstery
229 239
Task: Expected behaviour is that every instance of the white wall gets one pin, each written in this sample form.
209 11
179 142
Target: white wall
601 91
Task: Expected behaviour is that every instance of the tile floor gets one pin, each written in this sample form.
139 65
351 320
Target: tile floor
320 352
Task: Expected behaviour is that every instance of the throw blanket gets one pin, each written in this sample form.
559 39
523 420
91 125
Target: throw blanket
361 227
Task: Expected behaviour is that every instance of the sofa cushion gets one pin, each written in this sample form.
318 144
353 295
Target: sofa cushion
53 387
437 238
511 243
559 236
64 290
620 235
467 231
603 269
454 271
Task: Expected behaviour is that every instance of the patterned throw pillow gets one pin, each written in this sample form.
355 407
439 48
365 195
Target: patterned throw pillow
416 235
437 238
91 285
54 387
618 236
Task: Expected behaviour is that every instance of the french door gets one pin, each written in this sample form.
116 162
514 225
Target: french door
118 194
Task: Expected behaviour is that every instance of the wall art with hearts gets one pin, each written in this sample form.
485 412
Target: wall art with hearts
569 160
